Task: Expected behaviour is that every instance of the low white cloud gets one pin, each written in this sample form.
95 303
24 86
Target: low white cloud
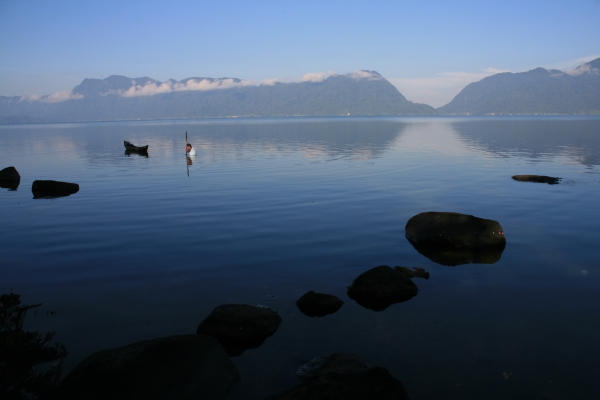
153 88
60 96
440 89
269 82
365 75
583 68
314 77
33 97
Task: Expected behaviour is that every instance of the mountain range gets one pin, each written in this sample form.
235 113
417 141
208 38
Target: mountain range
115 98
539 91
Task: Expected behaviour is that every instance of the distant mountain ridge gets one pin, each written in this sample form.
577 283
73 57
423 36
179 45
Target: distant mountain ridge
538 91
116 98
123 98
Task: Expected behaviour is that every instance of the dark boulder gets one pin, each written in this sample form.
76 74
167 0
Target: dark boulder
454 230
53 189
315 304
344 377
239 327
177 367
537 178
380 287
449 238
10 178
9 174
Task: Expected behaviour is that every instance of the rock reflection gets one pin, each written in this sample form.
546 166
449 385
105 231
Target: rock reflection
380 287
452 257
23 352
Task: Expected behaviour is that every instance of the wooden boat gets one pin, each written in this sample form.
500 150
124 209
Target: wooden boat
134 148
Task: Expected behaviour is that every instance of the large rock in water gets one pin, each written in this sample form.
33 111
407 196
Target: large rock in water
315 304
239 327
344 377
177 367
9 174
10 178
380 287
449 238
53 189
454 230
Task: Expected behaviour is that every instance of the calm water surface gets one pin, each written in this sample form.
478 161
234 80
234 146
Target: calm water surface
272 208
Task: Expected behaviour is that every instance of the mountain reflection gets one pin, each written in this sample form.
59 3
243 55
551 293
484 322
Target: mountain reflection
357 139
536 138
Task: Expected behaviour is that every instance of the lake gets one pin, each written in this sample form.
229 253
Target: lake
269 209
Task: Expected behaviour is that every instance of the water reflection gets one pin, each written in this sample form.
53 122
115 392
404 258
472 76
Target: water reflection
9 184
313 139
453 257
128 153
23 353
536 139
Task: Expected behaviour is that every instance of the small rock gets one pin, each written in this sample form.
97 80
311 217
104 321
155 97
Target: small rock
240 326
380 287
537 178
53 189
177 367
315 304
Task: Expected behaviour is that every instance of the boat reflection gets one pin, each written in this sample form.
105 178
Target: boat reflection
128 153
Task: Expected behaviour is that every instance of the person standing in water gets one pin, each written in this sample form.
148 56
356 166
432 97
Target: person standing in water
189 150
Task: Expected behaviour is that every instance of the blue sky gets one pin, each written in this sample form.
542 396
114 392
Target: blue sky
429 49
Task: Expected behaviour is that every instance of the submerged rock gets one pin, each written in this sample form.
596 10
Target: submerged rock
416 272
537 178
343 363
53 189
177 367
344 377
239 327
380 287
10 178
315 304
